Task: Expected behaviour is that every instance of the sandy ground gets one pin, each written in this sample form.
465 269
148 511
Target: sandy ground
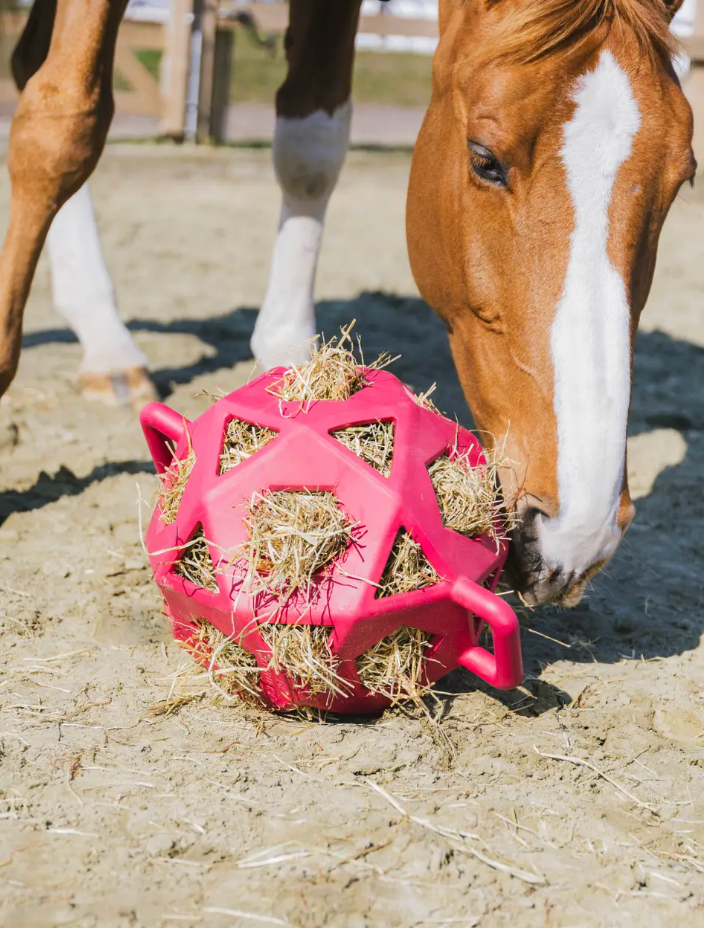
112 814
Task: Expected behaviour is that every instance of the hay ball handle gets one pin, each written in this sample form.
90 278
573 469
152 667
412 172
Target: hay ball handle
504 668
162 426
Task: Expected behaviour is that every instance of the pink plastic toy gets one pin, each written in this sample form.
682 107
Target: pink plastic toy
303 455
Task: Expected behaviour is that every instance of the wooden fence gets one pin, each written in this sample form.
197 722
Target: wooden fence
170 97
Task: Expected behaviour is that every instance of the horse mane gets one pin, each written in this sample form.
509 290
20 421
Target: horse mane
535 29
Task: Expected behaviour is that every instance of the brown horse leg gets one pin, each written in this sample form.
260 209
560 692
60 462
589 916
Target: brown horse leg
56 139
312 132
113 369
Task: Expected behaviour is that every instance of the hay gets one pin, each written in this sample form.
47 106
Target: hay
196 564
242 440
332 373
423 399
302 652
234 671
173 485
293 534
395 667
372 442
469 497
407 568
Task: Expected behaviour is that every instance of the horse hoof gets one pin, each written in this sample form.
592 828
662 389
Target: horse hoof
130 387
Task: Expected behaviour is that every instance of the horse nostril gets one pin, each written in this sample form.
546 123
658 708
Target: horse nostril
526 530
524 561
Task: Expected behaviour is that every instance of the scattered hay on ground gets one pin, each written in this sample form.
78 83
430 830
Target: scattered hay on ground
395 666
293 534
242 440
407 568
332 373
173 485
196 564
373 442
233 670
469 498
173 704
303 653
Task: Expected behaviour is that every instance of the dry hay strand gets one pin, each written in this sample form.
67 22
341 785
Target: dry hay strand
214 395
173 484
395 666
469 498
233 670
242 440
373 442
303 653
424 400
173 704
293 534
196 564
332 373
407 568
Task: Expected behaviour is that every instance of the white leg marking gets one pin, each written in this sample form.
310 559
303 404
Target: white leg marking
83 290
308 156
590 338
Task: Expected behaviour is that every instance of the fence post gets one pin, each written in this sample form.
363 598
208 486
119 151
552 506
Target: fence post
174 75
209 29
222 77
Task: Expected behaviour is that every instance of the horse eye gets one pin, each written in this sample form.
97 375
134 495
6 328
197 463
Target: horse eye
486 166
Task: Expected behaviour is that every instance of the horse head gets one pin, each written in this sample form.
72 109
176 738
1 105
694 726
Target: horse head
555 142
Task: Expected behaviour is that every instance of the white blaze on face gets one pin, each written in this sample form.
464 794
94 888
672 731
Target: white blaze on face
590 337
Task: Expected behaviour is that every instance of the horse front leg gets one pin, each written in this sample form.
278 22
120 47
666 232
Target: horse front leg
313 109
57 136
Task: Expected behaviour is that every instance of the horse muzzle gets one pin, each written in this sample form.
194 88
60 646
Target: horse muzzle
560 580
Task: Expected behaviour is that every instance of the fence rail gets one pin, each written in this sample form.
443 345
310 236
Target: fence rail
139 93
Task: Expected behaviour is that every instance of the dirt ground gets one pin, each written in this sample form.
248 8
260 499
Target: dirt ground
577 800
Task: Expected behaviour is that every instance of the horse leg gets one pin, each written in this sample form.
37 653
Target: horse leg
56 138
313 110
113 369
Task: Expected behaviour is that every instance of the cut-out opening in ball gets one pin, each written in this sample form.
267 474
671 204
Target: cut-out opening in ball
331 373
234 670
173 485
242 440
293 536
304 655
468 497
407 568
395 667
196 564
372 442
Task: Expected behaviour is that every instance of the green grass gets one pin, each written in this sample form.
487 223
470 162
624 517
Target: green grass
151 59
393 78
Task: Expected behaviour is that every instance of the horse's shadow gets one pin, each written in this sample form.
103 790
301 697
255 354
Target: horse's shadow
401 325
648 603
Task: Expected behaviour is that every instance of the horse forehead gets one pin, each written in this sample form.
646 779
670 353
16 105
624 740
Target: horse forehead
518 106
605 105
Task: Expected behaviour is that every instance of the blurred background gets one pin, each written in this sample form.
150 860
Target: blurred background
176 57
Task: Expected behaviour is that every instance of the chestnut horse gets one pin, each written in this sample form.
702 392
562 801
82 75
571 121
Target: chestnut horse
555 142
